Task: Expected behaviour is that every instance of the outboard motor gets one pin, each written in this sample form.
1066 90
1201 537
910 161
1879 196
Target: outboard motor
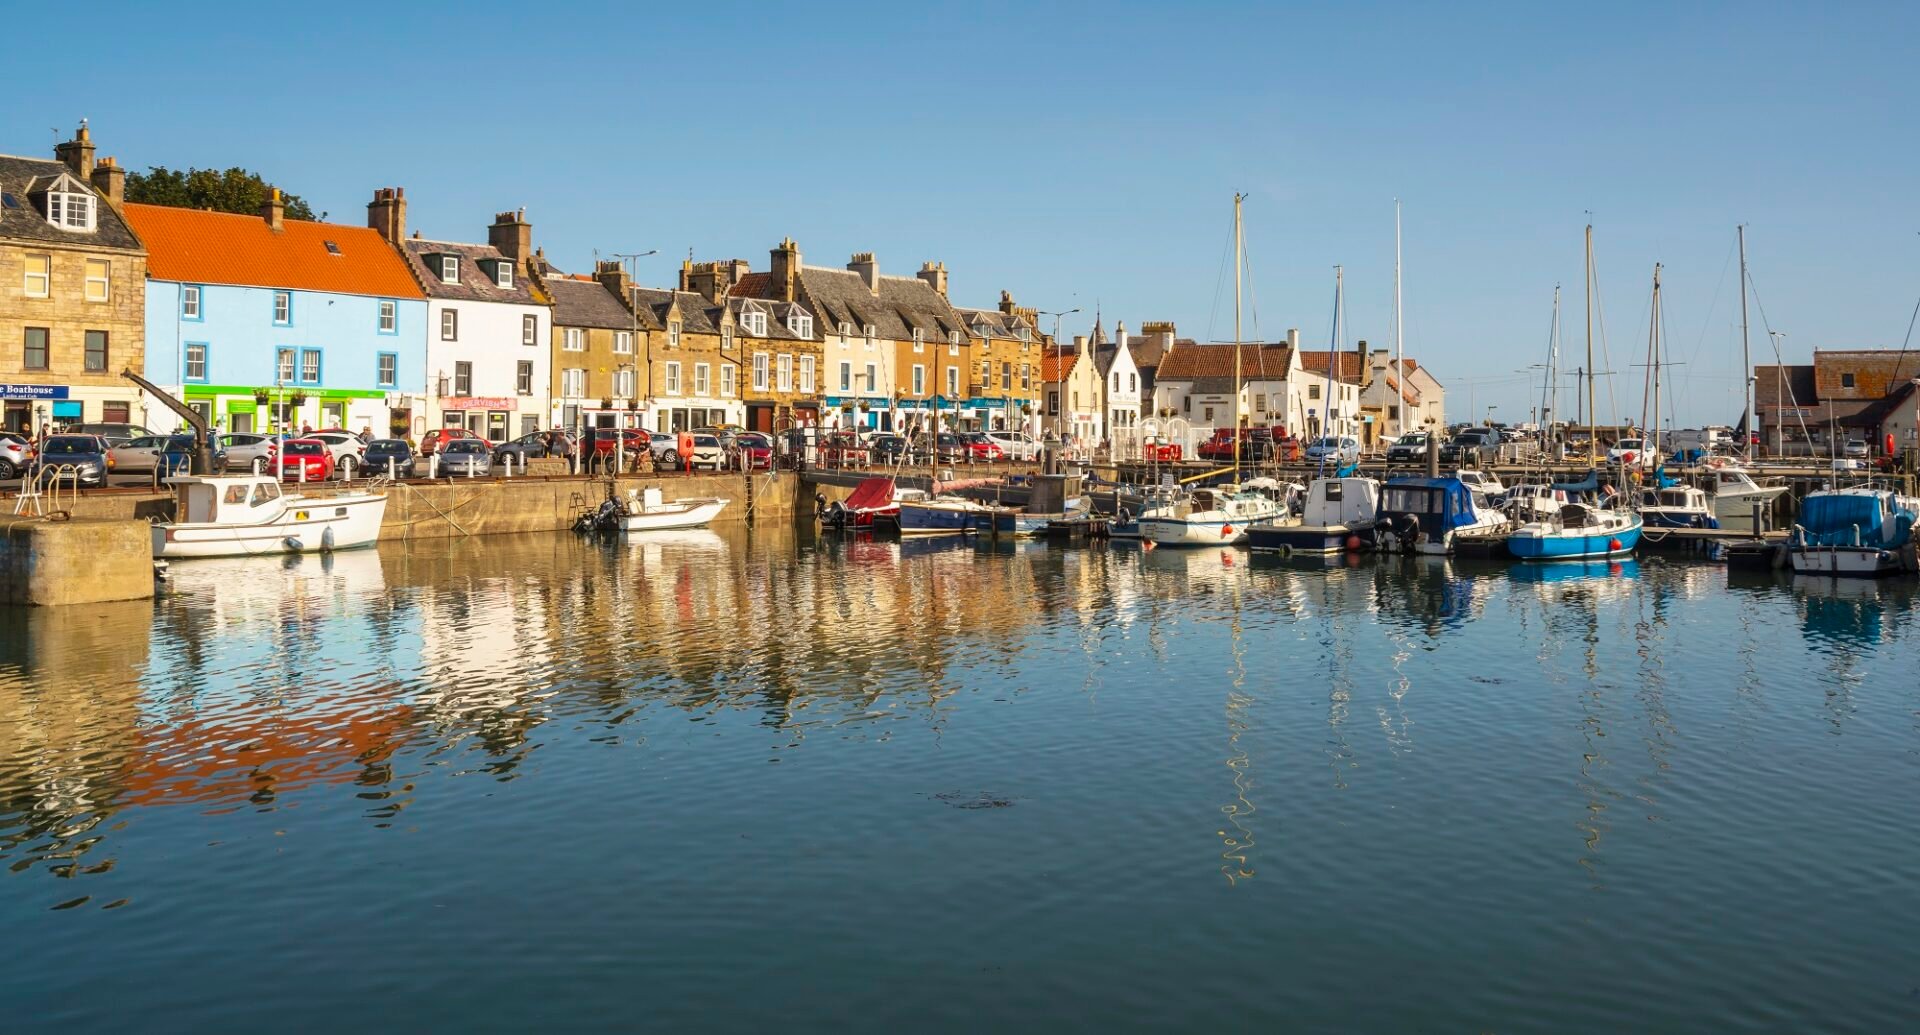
1406 529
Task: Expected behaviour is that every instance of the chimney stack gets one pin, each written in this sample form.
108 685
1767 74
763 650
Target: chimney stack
387 213
935 274
1293 337
274 210
613 276
785 267
512 236
111 180
864 264
711 280
77 154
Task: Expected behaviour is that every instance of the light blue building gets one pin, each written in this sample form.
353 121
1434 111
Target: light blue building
264 324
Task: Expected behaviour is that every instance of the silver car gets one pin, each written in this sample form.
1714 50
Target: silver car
15 453
243 448
466 458
137 455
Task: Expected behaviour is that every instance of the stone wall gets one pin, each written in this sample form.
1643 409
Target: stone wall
75 562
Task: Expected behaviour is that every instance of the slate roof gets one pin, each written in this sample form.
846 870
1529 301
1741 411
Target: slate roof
477 282
697 315
195 246
1791 385
1258 361
996 323
777 314
587 303
18 177
901 305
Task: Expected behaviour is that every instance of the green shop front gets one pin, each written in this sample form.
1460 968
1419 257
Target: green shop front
238 409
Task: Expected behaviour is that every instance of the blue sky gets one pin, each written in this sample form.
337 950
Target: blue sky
1083 153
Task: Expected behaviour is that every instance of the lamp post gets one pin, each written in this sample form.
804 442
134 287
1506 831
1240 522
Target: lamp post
632 259
1056 333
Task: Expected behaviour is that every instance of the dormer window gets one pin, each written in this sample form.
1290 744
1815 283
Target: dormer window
503 275
755 322
449 269
846 329
919 339
70 209
869 333
799 323
953 343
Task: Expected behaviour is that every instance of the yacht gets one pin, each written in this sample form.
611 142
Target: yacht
1581 531
1210 517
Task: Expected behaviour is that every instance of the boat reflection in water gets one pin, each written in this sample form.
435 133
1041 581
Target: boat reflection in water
1848 612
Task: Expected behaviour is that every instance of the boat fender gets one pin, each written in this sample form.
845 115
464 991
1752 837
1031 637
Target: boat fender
326 539
1353 544
292 543
1614 545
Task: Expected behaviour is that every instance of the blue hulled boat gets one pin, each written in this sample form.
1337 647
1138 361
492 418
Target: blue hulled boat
1580 531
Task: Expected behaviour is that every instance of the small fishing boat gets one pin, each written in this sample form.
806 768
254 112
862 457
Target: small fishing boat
1734 494
1131 507
647 511
945 515
1426 515
1484 485
1339 514
1210 517
874 499
1524 503
241 515
1676 506
1858 532
1581 531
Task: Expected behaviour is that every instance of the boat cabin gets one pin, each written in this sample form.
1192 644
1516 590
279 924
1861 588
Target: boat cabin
1440 505
243 499
1678 497
1341 501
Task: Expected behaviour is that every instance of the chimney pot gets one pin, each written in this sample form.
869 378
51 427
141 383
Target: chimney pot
111 181
273 209
387 213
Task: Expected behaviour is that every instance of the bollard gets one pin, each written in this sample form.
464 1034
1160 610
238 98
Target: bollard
391 468
346 469
433 465
303 472
470 466
259 464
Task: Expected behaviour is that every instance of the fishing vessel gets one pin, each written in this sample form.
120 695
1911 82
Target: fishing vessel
1338 515
1426 515
1676 506
1859 532
1734 495
239 515
647 511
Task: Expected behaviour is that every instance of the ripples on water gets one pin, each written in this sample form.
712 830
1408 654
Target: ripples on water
710 780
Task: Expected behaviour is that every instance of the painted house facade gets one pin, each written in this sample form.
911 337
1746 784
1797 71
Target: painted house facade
597 351
489 365
772 337
268 324
1075 394
693 362
1196 383
1122 384
1004 382
1814 408
72 292
1389 384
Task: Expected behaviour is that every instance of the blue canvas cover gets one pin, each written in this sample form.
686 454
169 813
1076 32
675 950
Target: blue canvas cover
1441 504
1830 520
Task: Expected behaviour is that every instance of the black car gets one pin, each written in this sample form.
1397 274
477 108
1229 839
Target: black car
887 449
72 459
528 446
382 450
1479 444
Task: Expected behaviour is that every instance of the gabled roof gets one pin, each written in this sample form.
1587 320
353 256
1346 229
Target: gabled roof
1347 365
1057 363
476 270
1258 362
777 316
901 304
1876 372
20 178
195 246
587 303
994 323
697 315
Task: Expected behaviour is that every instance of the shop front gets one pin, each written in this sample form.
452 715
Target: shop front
236 410
29 406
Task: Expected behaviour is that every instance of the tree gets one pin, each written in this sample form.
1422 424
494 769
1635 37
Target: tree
235 190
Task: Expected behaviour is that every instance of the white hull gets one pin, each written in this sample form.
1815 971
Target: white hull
1864 562
1734 510
1197 531
1444 545
694 513
306 525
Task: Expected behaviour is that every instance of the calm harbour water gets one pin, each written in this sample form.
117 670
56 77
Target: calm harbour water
720 782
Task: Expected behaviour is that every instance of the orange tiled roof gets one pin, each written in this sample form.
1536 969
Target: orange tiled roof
200 247
1348 370
1055 364
753 285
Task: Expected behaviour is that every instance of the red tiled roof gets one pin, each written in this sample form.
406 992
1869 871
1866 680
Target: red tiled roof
753 285
1055 364
200 247
1349 364
1266 362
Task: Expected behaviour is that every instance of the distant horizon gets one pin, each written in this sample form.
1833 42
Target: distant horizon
1084 162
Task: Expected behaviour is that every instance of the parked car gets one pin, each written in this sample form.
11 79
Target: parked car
437 439
982 448
114 434
1256 445
136 455
16 452
1160 451
708 453
755 450
530 446
1626 451
660 444
86 455
1334 449
244 448
1408 448
1481 445
888 448
466 458
404 462
309 455
1857 447
1846 463
1016 445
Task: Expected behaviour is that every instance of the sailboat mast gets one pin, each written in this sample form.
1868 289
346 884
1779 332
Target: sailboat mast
1749 419
1655 426
1399 326
1593 433
1237 259
1335 347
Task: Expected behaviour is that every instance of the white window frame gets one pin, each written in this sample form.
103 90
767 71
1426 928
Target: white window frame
726 380
309 361
104 279
919 340
190 301
702 378
574 340
846 331
381 377
463 371
783 367
529 329
673 334
70 210
186 369
873 378
760 368
919 379
755 322
573 383
806 375
868 329
673 378
503 276
800 324
523 377
846 378
449 269
44 275
953 343
449 324
953 382
623 383
623 343
389 320
283 308
286 366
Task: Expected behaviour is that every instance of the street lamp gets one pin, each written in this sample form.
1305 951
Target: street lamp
1056 332
632 259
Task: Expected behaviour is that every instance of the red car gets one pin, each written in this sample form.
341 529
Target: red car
305 454
981 448
1160 451
756 450
438 437
605 441
843 449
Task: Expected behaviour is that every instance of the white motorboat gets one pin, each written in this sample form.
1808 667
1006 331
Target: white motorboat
647 511
1339 514
240 515
1485 486
1210 517
1734 494
1857 532
1537 502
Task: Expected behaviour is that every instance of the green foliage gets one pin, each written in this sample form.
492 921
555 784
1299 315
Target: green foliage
235 190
